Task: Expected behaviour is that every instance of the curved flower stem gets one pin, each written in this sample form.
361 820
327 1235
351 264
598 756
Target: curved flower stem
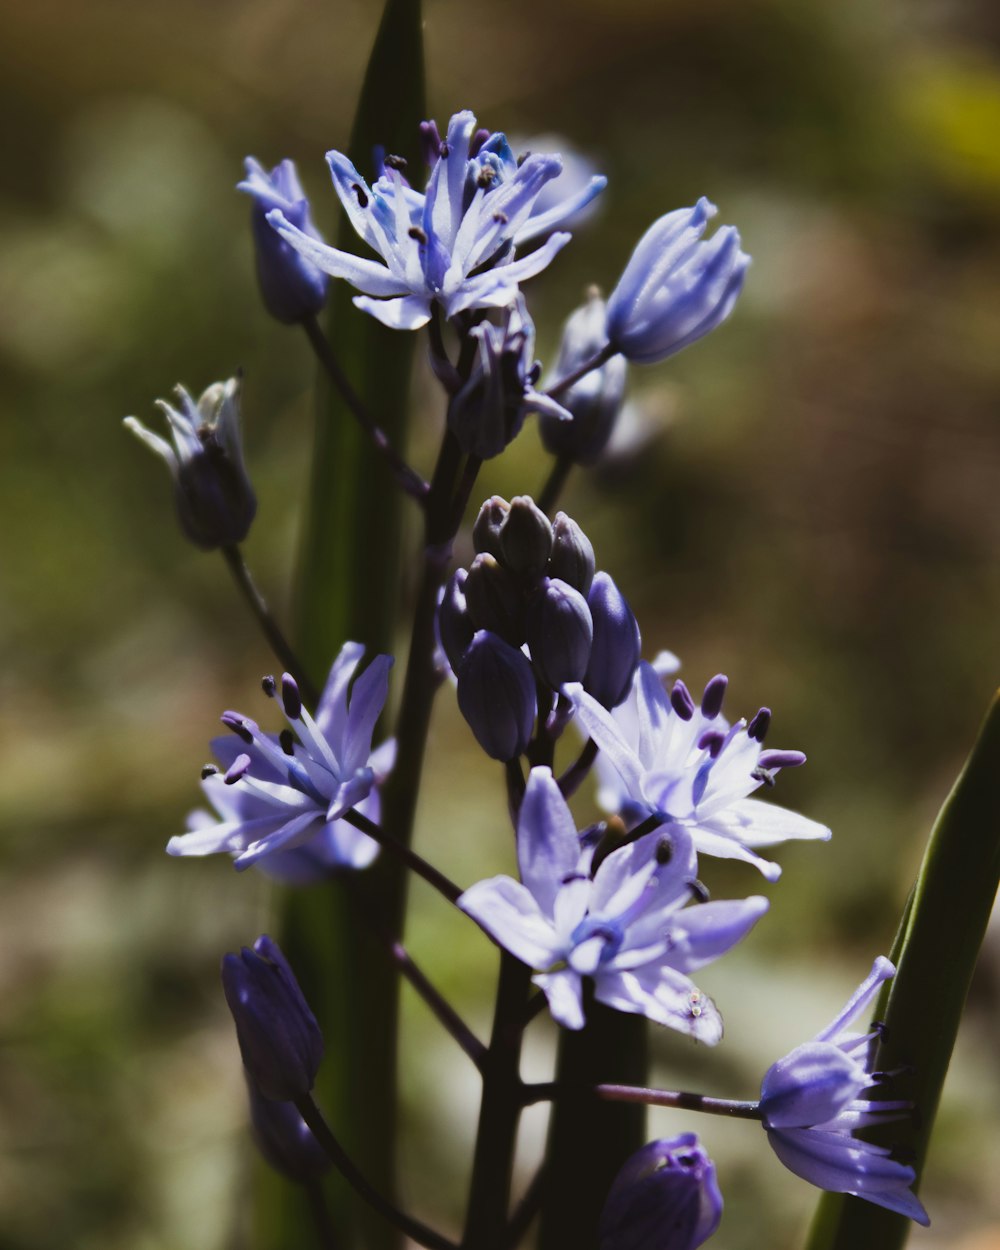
577 772
414 1229
554 483
278 642
550 1091
588 366
407 477
403 852
613 842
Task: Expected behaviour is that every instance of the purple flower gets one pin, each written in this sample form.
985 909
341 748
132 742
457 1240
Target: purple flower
215 501
453 245
290 795
292 287
280 1041
662 753
675 288
812 1100
627 927
665 1197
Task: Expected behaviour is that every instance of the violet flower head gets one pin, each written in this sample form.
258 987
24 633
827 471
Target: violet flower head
676 287
292 287
292 789
488 411
664 754
280 1041
455 244
215 501
627 928
813 1099
665 1197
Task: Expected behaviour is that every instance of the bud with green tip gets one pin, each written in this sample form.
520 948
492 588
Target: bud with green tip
486 531
495 599
526 537
572 558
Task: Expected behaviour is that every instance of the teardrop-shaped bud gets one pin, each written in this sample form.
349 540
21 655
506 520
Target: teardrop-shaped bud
495 599
572 558
560 631
617 646
496 695
486 531
526 537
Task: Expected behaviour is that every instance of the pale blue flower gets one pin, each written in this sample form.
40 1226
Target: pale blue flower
813 1099
676 287
289 795
627 928
663 754
455 244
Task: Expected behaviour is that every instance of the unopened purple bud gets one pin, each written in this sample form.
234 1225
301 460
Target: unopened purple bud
759 725
675 288
572 558
284 1139
279 1039
292 287
487 412
455 628
665 1197
714 696
681 701
486 531
560 632
596 400
495 599
496 695
617 646
526 537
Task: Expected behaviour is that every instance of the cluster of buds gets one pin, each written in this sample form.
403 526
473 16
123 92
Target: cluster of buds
529 615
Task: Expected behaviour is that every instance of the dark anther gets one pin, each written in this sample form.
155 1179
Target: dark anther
286 740
359 191
664 851
236 725
522 158
487 176
209 770
879 1027
395 162
764 775
290 697
501 219
699 889
443 151
269 686
416 233
574 876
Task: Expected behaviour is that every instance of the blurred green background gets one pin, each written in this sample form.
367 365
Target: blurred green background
809 503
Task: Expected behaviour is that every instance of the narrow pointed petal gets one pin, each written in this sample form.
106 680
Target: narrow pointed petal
564 990
365 275
548 846
504 909
409 313
367 701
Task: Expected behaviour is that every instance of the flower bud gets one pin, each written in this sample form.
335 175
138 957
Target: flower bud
560 631
495 599
486 531
284 1139
487 412
665 1197
675 288
279 1038
617 646
526 537
292 287
496 694
455 628
596 399
215 501
572 558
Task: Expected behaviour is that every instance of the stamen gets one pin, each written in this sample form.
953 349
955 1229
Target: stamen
477 140
359 192
209 770
395 162
500 218
781 759
237 769
269 686
286 740
416 233
486 178
664 851
763 775
290 697
699 889
711 741
713 696
681 701
761 723
444 151
234 722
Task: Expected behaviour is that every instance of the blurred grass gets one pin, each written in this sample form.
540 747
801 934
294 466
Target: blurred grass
817 516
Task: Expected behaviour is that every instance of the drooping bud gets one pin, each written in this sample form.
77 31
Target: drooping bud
572 558
526 537
665 1197
455 628
496 695
495 599
292 287
596 399
215 501
279 1039
675 288
560 631
486 531
284 1139
617 646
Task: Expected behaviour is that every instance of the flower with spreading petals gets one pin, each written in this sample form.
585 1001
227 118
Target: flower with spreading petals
215 501
665 755
453 245
627 928
291 794
813 1099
